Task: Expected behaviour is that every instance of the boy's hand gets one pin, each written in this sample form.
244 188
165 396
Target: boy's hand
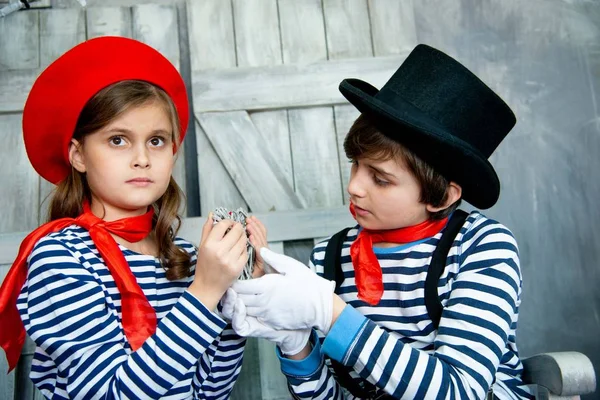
257 234
295 298
221 257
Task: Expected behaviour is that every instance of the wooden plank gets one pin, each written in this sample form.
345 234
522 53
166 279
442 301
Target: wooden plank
392 26
348 28
216 186
109 21
60 30
286 86
212 43
316 162
156 25
23 49
345 115
256 32
248 161
258 43
302 31
14 87
281 226
20 203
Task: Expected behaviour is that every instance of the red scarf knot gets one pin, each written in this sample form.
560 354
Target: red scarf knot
367 271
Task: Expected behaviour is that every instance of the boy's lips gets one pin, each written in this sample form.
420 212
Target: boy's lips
360 211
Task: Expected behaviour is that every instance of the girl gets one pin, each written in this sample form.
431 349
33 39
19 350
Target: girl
117 305
419 147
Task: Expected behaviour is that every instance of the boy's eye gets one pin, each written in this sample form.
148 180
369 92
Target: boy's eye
380 182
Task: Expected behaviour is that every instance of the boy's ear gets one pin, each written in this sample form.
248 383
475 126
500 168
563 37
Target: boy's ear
76 156
454 193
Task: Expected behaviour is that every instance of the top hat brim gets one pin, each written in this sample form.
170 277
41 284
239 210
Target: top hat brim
456 159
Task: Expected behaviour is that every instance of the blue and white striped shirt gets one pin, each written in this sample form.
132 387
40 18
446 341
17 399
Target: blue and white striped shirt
394 344
71 308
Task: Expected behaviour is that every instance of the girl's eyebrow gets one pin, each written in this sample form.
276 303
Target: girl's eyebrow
128 131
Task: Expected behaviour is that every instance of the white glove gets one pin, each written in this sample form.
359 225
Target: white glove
289 342
296 298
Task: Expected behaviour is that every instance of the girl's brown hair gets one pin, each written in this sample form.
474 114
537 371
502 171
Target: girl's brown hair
364 140
69 195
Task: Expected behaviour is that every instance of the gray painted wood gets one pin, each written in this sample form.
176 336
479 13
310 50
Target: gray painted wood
348 29
316 162
60 30
565 374
286 86
14 88
392 26
20 203
214 47
210 49
311 129
345 115
109 21
23 49
249 161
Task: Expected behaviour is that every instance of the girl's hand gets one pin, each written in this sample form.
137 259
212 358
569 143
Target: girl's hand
221 257
258 237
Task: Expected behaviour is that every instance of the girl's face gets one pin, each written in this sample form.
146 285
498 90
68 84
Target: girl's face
385 195
128 163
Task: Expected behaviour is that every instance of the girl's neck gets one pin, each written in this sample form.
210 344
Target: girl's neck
110 213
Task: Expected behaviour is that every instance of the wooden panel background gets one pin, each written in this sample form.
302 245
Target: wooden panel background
266 72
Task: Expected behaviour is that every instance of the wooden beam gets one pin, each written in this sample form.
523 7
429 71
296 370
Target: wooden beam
249 161
286 86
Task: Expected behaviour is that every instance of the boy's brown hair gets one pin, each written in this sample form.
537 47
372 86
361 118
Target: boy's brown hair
364 140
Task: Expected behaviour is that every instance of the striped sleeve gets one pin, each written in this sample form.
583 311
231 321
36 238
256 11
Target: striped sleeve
64 311
473 332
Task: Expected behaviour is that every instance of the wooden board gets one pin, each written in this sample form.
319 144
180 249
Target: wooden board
108 21
348 29
393 26
248 161
22 51
60 30
286 86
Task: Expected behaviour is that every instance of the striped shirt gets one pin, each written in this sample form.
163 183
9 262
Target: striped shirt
71 308
395 346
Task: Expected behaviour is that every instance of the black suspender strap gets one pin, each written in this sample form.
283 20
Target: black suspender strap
333 256
438 264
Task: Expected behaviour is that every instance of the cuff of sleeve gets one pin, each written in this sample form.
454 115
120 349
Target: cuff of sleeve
205 316
343 333
305 367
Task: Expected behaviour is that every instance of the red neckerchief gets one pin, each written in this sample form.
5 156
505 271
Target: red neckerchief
367 271
138 316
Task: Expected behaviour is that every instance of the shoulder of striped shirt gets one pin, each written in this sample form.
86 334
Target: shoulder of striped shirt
475 224
75 234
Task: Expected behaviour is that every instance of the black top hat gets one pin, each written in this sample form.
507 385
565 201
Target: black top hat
442 112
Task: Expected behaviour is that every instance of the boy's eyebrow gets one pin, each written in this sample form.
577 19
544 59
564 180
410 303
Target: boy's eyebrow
382 171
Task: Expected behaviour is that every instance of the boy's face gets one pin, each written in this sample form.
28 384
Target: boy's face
385 195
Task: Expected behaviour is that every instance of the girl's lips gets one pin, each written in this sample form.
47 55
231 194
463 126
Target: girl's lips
140 181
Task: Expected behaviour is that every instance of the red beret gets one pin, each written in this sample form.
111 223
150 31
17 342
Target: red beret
62 90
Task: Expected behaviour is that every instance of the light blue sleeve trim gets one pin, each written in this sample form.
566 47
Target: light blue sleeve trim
343 333
305 367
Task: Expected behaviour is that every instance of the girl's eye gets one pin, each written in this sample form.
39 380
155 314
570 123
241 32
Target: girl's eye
117 141
157 141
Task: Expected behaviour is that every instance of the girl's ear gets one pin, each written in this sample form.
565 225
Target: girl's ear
76 156
453 194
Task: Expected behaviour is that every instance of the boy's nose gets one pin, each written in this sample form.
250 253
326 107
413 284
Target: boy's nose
355 188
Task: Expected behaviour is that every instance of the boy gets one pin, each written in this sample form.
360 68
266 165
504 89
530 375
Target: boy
419 147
